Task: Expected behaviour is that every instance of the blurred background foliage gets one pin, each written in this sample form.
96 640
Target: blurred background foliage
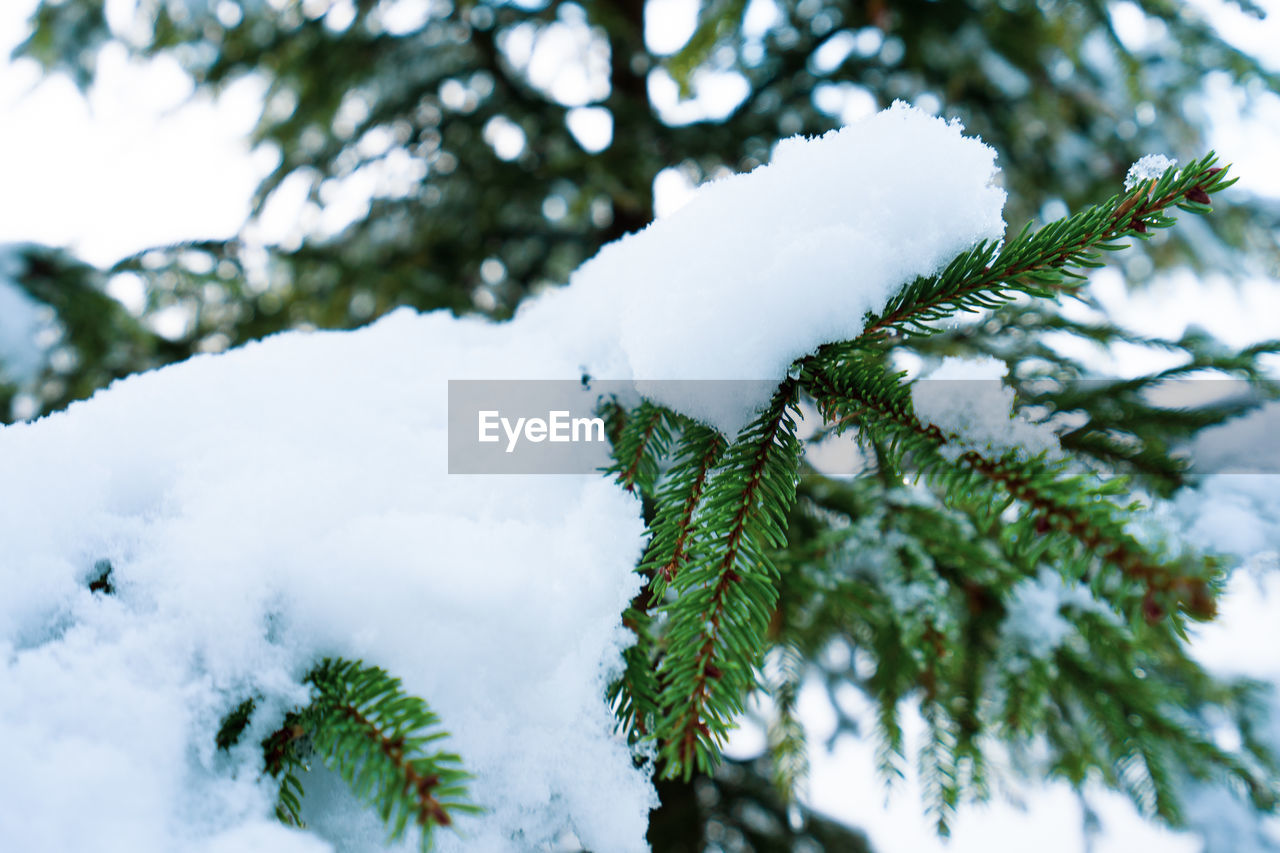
500 144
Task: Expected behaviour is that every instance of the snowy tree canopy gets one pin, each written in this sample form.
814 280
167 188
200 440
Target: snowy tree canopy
205 535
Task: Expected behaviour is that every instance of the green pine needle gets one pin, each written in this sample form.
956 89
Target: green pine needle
380 740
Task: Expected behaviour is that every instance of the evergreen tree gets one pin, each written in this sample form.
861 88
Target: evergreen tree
752 568
758 561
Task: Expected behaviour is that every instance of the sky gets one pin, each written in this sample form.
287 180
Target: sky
136 164
142 162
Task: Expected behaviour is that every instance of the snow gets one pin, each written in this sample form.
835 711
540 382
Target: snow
282 502
760 269
1235 508
965 398
1034 623
843 785
1226 822
1232 508
290 500
1148 168
1237 513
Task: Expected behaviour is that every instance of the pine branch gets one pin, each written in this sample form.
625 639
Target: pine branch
678 499
640 444
1055 499
364 727
234 724
726 590
1048 261
285 752
788 749
634 697
375 736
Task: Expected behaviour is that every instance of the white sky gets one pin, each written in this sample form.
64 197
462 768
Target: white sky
133 166
140 163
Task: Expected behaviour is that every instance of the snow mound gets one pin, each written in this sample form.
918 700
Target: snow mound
266 507
290 500
760 269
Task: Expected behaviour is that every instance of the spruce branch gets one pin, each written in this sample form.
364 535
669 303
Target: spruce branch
234 724
1047 261
678 499
289 797
1119 422
939 768
376 737
852 591
634 697
1111 693
718 561
788 749
363 726
966 556
640 445
285 753
716 20
1065 502
1056 500
726 590
1139 734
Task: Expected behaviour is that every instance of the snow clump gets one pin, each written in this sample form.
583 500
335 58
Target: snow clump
290 500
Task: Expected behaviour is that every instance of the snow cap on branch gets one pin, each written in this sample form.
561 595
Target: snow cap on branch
204 534
264 508
1148 168
760 269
